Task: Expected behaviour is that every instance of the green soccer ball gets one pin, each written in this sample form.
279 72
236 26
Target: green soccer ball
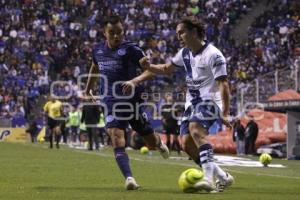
188 178
144 150
265 159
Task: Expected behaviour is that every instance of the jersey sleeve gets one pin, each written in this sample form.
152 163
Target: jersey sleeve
177 60
136 54
218 65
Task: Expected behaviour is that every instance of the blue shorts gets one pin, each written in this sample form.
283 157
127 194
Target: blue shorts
134 115
205 114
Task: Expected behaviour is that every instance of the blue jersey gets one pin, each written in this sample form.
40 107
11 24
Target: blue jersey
117 65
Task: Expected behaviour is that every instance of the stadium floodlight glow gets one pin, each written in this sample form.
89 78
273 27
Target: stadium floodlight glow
61 83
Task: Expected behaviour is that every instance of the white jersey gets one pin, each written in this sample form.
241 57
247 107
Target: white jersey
202 70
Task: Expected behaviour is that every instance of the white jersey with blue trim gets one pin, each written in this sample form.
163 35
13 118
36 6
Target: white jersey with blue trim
202 70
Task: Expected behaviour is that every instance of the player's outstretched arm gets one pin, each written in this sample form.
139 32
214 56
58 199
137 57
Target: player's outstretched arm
91 78
129 85
149 71
156 69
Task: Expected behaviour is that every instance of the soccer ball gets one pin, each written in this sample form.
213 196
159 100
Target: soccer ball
144 150
188 178
265 159
41 140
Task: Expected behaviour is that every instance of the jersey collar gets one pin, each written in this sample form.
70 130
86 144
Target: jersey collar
201 49
107 47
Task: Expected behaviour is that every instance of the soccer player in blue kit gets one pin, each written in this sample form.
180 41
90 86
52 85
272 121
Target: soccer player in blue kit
118 62
207 98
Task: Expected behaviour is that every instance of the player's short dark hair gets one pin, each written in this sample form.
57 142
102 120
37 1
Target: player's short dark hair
114 19
192 23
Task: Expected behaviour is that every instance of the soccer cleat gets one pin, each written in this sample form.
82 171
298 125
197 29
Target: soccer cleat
164 151
205 185
130 184
222 184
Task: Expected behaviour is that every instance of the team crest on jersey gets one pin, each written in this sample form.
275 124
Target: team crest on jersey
121 52
109 118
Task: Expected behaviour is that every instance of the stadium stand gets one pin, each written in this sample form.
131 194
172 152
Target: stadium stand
53 42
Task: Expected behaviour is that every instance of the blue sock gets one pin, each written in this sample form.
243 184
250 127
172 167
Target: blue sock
123 161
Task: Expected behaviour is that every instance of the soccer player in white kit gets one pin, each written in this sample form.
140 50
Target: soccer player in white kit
207 98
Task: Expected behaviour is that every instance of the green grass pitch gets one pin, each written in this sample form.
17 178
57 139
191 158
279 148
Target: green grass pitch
32 171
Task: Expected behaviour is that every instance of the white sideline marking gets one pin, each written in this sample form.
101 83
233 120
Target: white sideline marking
187 165
235 161
241 162
261 174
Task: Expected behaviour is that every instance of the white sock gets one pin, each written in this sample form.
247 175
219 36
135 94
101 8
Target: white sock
207 162
208 169
219 173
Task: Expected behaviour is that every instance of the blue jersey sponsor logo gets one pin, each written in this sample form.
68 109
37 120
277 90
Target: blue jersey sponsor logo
99 51
121 52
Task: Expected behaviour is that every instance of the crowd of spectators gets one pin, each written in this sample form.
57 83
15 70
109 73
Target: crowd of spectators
42 41
273 44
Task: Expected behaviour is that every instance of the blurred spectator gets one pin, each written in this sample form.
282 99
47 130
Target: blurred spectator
102 132
170 124
251 134
91 117
32 129
239 137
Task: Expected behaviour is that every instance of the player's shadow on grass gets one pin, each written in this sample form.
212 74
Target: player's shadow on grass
173 191
118 189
